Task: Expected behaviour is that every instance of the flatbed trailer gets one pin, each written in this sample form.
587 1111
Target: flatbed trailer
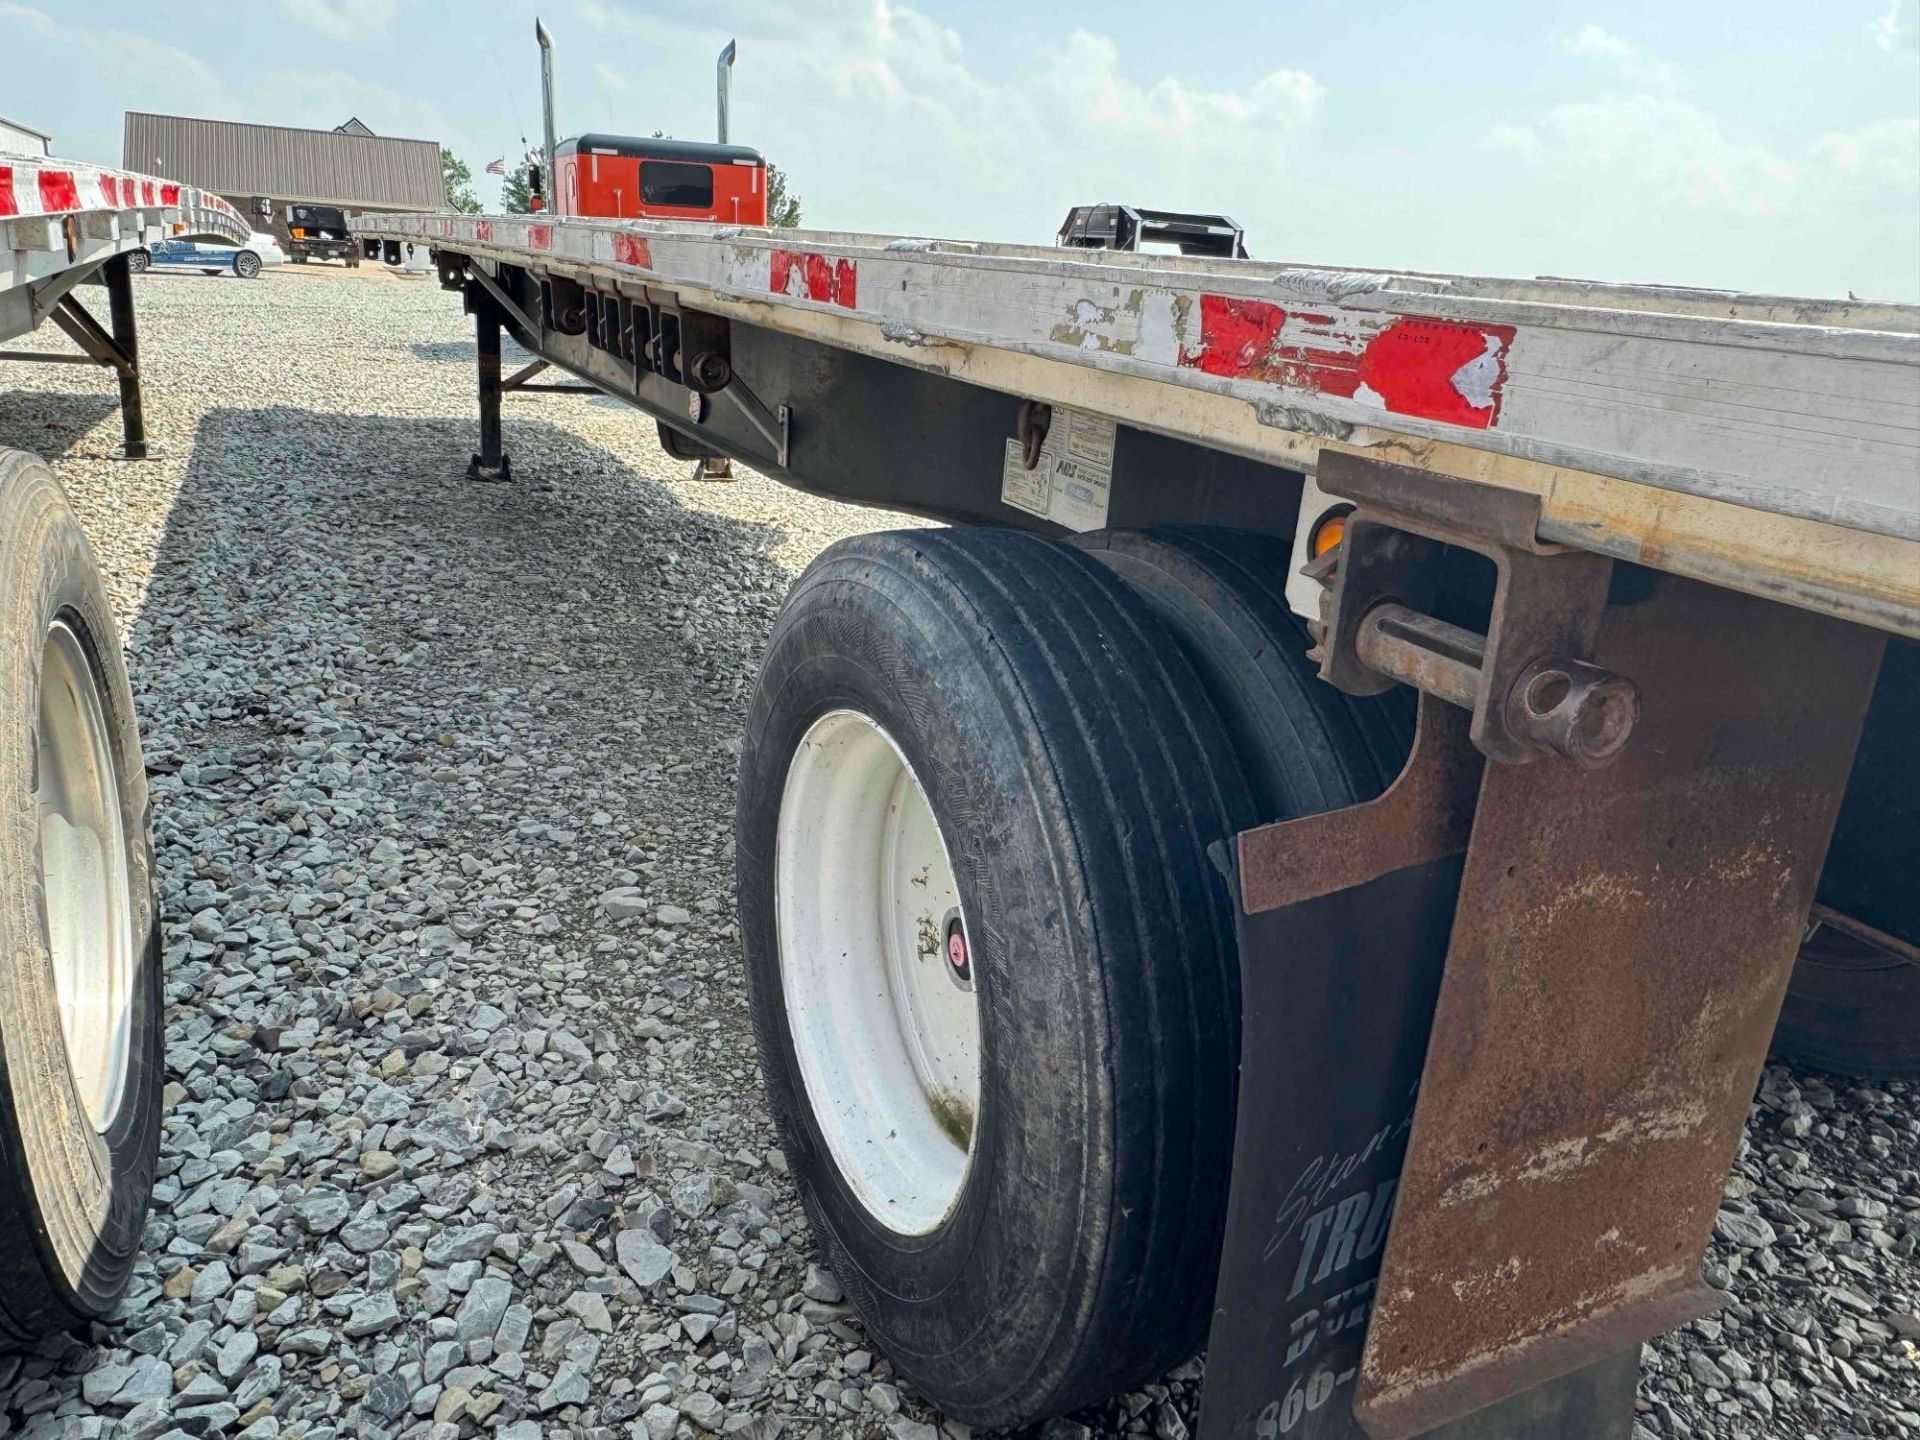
68 224
80 991
1493 1017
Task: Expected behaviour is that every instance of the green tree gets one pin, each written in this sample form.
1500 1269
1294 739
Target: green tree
516 195
459 183
783 206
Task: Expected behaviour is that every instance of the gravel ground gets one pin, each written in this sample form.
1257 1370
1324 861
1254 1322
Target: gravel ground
465 1131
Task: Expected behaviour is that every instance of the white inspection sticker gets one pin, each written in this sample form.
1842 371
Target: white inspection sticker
1071 481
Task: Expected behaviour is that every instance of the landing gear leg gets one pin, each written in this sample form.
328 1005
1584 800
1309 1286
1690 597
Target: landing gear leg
133 419
491 463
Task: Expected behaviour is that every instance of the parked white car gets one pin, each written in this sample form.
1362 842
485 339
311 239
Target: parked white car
246 261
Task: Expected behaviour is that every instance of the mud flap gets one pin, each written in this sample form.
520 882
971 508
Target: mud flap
1344 920
1341 951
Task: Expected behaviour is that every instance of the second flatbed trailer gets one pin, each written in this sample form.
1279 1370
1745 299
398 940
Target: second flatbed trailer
1121 984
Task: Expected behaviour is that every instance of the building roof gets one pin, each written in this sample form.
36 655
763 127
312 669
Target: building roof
26 129
353 125
282 162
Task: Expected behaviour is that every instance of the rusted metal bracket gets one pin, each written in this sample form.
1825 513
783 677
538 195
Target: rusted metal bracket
520 377
45 296
1619 951
1527 681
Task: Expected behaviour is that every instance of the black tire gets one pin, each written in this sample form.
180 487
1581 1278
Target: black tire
1078 775
1306 746
138 260
72 1201
1851 1008
246 265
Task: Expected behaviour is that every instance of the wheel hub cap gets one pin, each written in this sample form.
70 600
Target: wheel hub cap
877 972
84 876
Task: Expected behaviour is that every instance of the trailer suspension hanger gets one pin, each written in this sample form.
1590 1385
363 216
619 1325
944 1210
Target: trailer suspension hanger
1527 681
1607 941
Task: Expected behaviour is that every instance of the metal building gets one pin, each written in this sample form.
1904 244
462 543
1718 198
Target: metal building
23 139
279 164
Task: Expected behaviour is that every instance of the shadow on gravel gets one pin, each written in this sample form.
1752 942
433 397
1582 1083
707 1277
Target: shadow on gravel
51 422
577 565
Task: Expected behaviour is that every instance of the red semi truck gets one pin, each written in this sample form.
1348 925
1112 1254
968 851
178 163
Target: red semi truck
634 178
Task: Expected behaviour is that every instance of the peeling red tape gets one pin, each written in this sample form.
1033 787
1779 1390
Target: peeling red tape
1443 370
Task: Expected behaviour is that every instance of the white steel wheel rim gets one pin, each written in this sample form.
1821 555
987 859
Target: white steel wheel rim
885 1028
83 876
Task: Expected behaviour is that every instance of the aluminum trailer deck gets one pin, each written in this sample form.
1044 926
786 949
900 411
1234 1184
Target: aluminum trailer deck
64 224
1498 1027
1766 443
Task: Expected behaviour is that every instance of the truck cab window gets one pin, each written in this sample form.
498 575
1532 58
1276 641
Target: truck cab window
669 182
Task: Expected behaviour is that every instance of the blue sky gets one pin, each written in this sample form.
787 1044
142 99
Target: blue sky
1765 145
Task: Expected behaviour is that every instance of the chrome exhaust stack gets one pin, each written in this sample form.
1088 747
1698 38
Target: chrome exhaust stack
546 89
723 79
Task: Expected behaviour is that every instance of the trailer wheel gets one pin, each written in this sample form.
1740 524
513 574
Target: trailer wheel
1853 1005
80 1060
1305 746
991 969
1852 1008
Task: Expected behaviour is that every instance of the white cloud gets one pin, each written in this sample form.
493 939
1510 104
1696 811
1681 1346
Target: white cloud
1896 31
342 20
1633 64
1660 147
136 72
1883 155
320 100
610 77
38 21
1669 148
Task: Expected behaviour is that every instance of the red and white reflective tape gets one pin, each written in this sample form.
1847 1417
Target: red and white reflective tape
1451 371
809 275
37 186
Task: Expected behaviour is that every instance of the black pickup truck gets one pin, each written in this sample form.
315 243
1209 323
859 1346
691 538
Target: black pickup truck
320 232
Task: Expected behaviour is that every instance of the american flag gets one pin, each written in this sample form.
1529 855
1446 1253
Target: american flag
498 167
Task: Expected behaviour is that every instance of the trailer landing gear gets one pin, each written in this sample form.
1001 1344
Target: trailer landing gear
491 463
117 348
